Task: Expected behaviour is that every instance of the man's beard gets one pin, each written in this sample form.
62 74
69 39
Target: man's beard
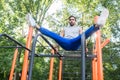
72 24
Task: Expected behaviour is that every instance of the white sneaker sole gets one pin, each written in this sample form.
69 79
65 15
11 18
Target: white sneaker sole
103 17
30 20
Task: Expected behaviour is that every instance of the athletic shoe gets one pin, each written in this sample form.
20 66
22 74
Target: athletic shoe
103 17
30 20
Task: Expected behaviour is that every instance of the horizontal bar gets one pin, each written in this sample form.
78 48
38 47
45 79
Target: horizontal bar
68 55
11 47
14 41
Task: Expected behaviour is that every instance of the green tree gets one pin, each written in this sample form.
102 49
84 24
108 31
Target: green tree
12 20
85 10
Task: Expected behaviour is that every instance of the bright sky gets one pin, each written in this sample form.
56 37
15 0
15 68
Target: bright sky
57 5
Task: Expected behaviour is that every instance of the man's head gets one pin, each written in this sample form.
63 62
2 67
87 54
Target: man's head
72 20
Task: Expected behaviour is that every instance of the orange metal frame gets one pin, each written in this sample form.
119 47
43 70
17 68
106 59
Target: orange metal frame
99 56
51 66
26 61
13 64
97 66
60 70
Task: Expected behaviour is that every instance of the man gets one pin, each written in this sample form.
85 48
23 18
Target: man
72 30
74 43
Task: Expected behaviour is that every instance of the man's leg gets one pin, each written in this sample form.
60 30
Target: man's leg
68 44
76 42
63 42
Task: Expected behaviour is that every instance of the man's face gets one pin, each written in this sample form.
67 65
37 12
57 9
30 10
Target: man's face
72 21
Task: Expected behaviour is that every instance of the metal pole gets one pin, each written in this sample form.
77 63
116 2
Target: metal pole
51 66
26 55
32 57
83 56
13 64
99 56
16 42
60 69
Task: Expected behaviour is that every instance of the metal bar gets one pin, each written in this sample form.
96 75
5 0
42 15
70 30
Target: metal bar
51 69
83 56
60 70
105 43
32 56
26 55
99 56
94 60
13 64
51 66
63 68
14 41
11 47
67 56
51 45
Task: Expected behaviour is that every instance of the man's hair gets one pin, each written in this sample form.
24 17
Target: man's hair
72 16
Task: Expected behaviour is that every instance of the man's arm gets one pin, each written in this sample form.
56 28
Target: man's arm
86 42
37 26
80 31
62 33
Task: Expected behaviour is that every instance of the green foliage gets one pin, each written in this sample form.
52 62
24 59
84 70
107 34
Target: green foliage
12 20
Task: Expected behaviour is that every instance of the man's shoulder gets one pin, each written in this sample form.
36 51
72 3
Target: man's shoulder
78 27
74 27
